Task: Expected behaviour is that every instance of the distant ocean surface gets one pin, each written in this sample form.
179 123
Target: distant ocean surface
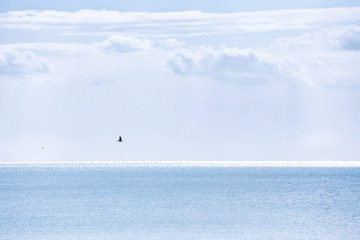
179 203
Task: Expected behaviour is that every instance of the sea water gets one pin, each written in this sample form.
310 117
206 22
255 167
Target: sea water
212 203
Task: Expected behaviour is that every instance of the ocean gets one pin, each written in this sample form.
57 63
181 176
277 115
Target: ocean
179 203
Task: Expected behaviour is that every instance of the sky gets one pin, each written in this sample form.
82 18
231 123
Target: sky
179 80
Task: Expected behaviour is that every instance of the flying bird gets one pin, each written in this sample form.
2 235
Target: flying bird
120 139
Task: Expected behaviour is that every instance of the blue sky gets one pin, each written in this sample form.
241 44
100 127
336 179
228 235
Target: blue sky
180 81
173 5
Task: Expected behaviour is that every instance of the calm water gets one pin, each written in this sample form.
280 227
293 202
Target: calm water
179 203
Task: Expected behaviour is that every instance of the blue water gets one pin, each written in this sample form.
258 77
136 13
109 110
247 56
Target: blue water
179 203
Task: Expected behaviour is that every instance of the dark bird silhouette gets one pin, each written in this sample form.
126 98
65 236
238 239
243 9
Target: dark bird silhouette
120 139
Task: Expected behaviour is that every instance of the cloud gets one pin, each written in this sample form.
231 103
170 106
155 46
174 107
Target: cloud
350 39
226 63
329 57
186 22
313 59
34 27
170 43
16 63
337 38
126 43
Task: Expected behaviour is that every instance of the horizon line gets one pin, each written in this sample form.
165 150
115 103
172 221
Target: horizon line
197 163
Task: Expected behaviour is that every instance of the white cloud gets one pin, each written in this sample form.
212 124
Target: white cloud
170 43
34 27
16 63
350 39
187 22
51 47
327 57
337 38
126 43
226 63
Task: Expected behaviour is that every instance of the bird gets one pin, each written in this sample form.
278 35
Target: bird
120 139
